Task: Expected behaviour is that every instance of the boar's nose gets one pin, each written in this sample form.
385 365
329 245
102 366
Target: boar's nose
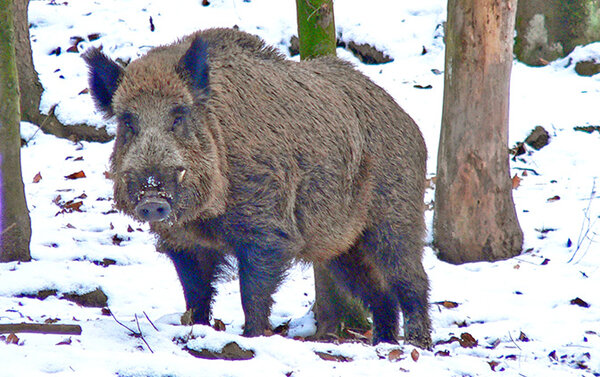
153 208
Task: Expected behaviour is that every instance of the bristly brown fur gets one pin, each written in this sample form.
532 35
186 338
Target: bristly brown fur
283 160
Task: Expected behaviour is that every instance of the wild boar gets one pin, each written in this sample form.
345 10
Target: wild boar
227 148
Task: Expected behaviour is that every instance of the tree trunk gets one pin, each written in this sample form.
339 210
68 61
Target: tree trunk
31 89
316 34
15 227
316 28
550 29
475 217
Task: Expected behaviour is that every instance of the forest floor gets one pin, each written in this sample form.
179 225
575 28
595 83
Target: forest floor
537 314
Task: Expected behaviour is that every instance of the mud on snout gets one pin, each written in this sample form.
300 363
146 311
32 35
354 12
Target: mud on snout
152 195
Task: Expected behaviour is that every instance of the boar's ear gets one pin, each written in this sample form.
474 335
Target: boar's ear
193 67
103 79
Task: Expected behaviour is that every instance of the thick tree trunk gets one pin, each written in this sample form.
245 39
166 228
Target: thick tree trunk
475 217
316 28
31 89
550 29
316 34
15 227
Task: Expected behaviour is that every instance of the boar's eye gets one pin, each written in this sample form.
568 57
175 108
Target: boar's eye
127 127
179 114
177 122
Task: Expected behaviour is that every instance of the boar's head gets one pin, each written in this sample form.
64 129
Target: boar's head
164 163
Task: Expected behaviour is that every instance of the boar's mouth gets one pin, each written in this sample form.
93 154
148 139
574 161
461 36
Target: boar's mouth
152 207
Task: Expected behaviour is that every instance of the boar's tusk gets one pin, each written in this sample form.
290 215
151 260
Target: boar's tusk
180 176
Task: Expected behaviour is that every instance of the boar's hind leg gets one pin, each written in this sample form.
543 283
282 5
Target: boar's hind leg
362 279
197 269
261 271
397 251
413 289
387 277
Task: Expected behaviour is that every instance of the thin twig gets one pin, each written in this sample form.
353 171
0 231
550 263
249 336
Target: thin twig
527 169
586 226
141 335
116 320
150 321
513 341
134 333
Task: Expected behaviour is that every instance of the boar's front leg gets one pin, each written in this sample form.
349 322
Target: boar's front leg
197 269
261 270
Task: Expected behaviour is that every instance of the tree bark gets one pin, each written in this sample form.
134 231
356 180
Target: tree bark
475 217
15 226
31 89
550 29
316 34
316 28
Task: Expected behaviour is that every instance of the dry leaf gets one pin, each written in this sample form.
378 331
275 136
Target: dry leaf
330 357
493 364
219 325
77 175
37 178
414 355
467 340
395 355
12 339
494 344
553 199
116 239
71 206
523 337
516 181
65 342
282 329
444 353
447 304
579 302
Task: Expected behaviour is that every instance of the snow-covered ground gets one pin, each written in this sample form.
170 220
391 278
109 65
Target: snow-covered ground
522 312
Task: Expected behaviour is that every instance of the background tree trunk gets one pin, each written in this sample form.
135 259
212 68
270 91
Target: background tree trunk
475 217
316 34
31 89
15 227
316 28
550 29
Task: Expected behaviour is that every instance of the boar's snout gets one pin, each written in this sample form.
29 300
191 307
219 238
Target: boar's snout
153 208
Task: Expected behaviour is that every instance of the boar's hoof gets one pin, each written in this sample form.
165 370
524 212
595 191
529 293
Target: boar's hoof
153 209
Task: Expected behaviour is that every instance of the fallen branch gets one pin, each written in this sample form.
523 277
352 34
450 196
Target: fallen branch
40 328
